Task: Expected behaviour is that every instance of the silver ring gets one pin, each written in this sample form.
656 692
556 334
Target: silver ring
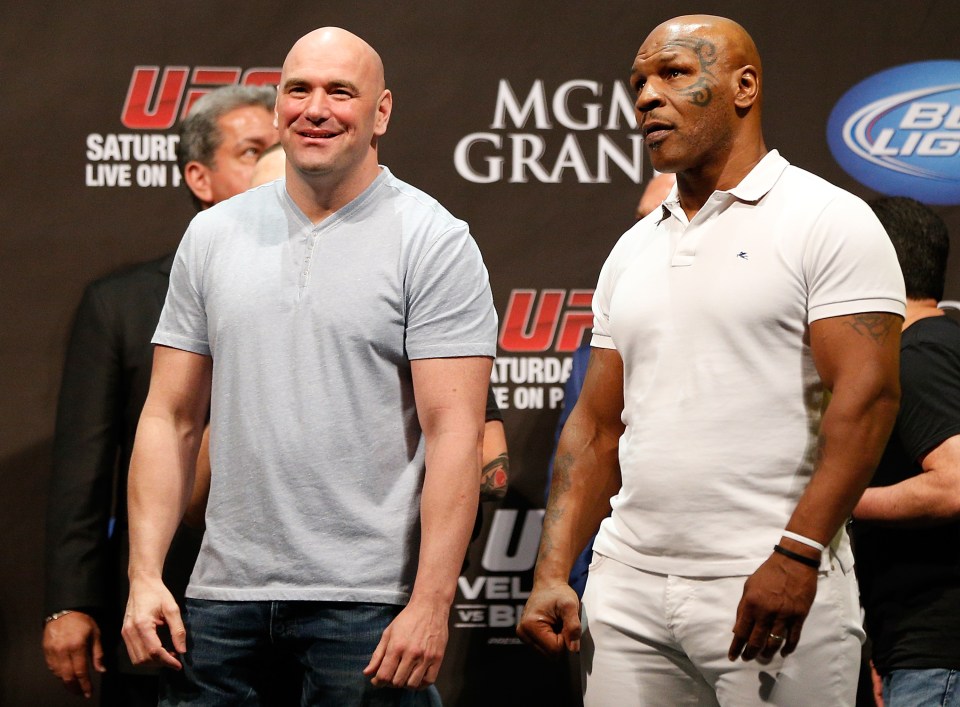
778 639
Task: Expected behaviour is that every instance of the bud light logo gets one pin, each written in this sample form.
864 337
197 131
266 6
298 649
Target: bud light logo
898 132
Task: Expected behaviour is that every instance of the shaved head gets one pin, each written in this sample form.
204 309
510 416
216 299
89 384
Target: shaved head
729 43
326 41
735 40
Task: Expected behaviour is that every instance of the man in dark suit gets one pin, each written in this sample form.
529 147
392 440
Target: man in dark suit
105 380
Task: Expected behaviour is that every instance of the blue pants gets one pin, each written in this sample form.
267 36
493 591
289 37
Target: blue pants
287 653
921 688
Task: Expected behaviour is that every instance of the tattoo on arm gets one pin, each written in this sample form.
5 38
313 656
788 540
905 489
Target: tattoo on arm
873 324
561 476
494 477
820 452
559 485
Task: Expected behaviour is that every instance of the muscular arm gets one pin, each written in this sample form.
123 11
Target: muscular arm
161 482
930 498
857 357
197 507
450 395
586 474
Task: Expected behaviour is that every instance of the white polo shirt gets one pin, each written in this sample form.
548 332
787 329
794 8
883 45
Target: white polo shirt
722 399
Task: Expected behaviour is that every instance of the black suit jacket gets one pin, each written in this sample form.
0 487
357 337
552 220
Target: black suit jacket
105 381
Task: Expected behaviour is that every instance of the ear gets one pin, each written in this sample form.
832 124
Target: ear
197 177
748 87
276 110
384 108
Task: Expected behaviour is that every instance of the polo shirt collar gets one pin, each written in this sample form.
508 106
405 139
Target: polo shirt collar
751 188
761 178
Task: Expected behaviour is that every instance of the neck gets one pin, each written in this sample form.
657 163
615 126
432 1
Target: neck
918 309
696 185
320 196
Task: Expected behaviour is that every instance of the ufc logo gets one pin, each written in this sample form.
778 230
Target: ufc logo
153 104
558 320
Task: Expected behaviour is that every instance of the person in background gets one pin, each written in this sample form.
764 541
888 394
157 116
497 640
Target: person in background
906 526
342 323
104 385
270 166
657 189
718 326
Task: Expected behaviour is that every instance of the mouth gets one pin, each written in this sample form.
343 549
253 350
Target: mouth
655 131
318 134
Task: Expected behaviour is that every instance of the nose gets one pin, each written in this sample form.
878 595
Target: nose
318 107
648 97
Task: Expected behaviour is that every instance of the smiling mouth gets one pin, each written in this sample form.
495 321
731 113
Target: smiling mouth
317 135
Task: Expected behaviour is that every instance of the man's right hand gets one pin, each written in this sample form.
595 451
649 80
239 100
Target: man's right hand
70 644
551 619
150 605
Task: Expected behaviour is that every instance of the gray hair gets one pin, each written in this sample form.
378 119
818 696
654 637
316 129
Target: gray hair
200 133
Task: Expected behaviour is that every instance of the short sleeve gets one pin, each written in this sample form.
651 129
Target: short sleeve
183 321
606 284
449 304
929 398
849 263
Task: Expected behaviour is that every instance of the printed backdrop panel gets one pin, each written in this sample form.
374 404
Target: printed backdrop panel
517 117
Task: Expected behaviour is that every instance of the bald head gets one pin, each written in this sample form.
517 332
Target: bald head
270 165
732 41
718 41
321 45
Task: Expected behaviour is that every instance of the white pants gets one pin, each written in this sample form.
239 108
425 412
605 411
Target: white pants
652 639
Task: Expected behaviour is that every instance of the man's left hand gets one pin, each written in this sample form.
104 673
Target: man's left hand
411 648
776 600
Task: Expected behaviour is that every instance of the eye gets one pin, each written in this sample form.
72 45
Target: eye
674 73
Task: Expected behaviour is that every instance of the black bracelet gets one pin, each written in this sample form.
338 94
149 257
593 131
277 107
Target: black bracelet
802 559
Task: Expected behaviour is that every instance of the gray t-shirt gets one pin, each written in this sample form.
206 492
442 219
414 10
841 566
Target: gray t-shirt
316 450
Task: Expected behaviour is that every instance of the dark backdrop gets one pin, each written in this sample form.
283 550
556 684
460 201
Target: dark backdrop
67 68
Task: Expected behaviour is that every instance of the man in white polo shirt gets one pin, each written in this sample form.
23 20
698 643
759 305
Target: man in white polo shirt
720 321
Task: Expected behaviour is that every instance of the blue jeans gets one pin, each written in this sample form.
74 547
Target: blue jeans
921 688
285 653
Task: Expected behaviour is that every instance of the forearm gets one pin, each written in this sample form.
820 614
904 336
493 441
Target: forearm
196 509
920 500
448 508
495 472
586 474
853 435
159 487
931 497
